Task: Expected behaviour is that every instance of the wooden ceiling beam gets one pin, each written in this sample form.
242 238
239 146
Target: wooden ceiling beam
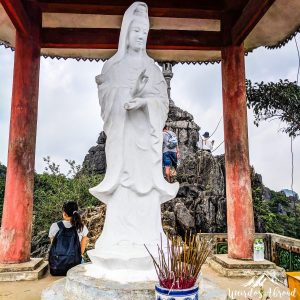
183 9
17 15
94 38
249 17
234 5
207 4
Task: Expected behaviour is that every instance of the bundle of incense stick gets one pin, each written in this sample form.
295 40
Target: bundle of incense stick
179 265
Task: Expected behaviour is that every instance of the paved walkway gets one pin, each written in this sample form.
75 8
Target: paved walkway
31 290
25 290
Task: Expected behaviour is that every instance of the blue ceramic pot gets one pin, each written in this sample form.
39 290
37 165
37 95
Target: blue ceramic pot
166 294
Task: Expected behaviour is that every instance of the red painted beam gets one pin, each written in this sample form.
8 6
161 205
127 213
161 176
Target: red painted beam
17 15
240 219
94 38
16 228
172 9
250 16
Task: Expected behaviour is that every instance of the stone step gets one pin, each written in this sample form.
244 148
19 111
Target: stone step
244 268
19 275
31 265
231 263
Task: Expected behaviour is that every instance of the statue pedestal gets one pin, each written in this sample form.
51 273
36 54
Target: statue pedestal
81 284
132 264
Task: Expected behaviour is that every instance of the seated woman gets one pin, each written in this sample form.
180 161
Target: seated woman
67 245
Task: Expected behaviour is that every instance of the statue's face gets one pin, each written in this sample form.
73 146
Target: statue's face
137 35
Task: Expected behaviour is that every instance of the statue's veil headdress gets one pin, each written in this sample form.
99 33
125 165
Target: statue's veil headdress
135 10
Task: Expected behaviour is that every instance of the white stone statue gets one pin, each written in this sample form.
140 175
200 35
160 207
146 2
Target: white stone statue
134 107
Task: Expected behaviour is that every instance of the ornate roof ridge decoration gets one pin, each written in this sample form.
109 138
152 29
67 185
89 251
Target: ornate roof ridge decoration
207 62
284 41
6 45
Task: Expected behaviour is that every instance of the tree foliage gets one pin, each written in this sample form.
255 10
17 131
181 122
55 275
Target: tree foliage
2 170
52 188
280 100
276 213
2 186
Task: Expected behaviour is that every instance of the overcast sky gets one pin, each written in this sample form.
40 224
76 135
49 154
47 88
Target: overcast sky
69 115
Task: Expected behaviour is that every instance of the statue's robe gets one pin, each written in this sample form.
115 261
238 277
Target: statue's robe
134 137
133 187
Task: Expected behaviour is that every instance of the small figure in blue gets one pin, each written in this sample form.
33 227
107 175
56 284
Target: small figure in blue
170 152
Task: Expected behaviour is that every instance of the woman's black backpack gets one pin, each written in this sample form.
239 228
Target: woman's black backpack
65 251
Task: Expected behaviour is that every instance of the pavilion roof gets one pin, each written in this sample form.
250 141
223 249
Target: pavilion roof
182 31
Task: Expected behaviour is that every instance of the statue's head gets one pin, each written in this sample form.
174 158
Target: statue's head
133 35
138 29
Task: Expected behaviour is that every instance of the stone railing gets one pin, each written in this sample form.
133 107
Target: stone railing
283 251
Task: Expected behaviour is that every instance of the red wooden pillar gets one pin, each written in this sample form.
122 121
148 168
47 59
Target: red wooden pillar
240 220
16 228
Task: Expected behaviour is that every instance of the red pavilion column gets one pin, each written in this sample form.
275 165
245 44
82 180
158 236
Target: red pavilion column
240 220
16 228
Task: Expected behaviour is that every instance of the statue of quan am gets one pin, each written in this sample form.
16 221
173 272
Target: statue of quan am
134 107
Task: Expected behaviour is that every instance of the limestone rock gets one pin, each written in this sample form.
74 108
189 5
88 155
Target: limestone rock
93 218
183 217
169 222
182 123
40 245
95 161
203 170
201 194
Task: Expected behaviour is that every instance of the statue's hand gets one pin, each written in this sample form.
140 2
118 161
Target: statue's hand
134 104
140 84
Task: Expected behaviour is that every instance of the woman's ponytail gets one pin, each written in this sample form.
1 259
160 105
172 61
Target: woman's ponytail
76 221
71 209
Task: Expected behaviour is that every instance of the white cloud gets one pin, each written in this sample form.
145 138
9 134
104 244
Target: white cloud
69 114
